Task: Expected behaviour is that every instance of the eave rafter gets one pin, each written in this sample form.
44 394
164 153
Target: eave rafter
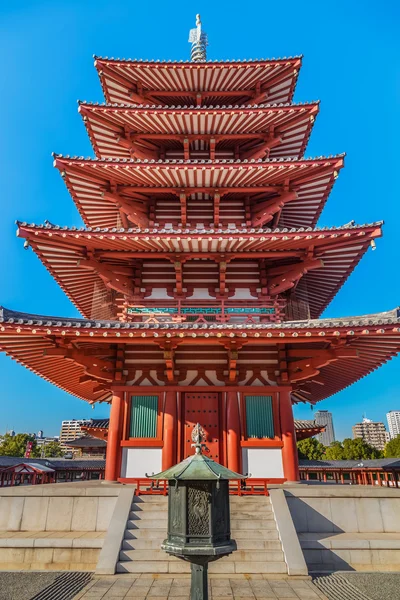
206 83
95 368
297 189
239 132
283 278
79 260
305 368
321 357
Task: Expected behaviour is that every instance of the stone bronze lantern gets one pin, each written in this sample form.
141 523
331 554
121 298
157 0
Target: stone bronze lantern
198 513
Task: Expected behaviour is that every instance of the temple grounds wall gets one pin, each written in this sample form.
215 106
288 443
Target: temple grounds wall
347 527
60 526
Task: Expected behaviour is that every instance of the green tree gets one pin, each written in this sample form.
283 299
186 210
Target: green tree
352 450
335 451
392 448
310 449
16 445
51 450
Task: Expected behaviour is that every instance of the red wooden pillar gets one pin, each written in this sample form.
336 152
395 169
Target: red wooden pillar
289 451
114 437
169 457
233 431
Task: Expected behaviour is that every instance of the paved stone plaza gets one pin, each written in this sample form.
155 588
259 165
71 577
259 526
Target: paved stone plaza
163 588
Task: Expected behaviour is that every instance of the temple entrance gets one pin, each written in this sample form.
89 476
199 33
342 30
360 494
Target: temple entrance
203 408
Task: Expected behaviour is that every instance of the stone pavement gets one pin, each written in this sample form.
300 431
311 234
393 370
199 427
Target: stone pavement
166 588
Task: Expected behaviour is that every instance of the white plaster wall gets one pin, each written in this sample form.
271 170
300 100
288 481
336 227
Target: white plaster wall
242 294
263 462
201 294
136 462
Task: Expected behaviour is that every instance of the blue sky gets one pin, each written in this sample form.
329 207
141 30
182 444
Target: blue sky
351 57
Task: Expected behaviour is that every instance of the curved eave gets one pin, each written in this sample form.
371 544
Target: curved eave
60 250
87 180
105 124
28 348
119 78
376 338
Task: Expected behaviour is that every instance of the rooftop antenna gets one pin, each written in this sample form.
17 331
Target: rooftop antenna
199 41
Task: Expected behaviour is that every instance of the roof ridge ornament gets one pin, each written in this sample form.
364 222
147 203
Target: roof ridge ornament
199 41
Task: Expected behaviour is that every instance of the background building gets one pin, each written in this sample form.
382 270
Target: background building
373 433
324 418
393 419
71 430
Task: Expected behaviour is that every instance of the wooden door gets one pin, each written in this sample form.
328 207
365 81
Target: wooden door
203 408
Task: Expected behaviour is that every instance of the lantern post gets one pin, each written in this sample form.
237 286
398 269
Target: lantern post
198 513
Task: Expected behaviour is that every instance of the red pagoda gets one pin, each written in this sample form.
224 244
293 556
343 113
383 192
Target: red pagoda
199 272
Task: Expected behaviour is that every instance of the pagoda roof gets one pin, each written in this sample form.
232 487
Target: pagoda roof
61 249
306 429
155 82
106 124
375 338
88 179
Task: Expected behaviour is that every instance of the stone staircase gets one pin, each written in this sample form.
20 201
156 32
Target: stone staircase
253 527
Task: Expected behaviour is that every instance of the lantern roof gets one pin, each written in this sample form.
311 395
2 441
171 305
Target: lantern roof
198 466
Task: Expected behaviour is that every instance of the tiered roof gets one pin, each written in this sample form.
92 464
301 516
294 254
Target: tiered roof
199 161
115 130
210 83
88 182
63 251
370 341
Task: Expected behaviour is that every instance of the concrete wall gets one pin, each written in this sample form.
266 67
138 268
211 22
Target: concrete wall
339 509
347 527
55 527
58 507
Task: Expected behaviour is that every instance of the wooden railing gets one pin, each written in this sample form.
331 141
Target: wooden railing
222 311
240 487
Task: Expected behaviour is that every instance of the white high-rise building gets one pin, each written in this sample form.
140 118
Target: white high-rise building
70 430
393 419
324 417
372 432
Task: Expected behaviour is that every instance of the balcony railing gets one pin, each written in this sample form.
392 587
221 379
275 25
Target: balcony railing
222 312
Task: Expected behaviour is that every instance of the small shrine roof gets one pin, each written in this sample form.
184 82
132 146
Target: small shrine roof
376 339
306 429
303 424
122 79
86 442
88 179
106 124
61 249
197 467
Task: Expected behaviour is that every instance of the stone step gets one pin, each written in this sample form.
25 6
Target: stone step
257 524
236 534
148 515
220 566
142 544
254 514
152 507
235 514
260 534
249 500
245 544
238 556
147 524
146 534
150 499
